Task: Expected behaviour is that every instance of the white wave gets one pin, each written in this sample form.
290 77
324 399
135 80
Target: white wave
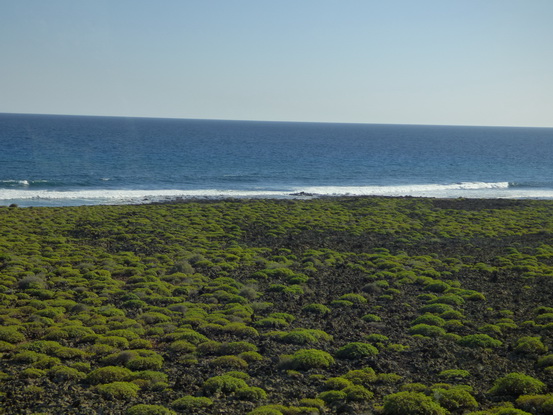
21 182
31 197
127 196
402 190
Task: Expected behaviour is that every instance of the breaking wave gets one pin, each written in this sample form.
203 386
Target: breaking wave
44 197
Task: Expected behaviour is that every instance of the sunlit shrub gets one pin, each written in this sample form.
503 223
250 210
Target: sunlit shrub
357 393
149 410
337 383
190 403
108 374
251 393
229 361
427 330
306 359
455 398
118 390
364 376
479 340
371 318
356 350
403 403
224 384
530 344
430 319
64 373
517 384
316 309
11 334
332 396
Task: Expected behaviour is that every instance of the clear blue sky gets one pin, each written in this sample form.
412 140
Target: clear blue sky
472 62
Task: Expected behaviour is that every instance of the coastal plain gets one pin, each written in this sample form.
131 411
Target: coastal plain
359 305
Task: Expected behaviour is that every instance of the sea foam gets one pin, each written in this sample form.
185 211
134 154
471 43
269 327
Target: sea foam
113 196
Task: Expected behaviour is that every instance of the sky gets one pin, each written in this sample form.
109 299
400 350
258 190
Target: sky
453 62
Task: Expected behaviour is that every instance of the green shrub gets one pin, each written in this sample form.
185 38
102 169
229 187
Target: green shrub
118 390
229 361
354 298
358 393
251 393
316 309
535 402
149 410
306 359
30 373
411 403
455 398
153 362
182 347
530 344
436 308
332 396
427 330
430 319
517 384
11 334
364 376
371 318
546 360
114 341
224 384
389 378
454 374
64 373
356 350
377 338
190 403
238 375
337 383
250 357
451 299
269 410
108 374
479 340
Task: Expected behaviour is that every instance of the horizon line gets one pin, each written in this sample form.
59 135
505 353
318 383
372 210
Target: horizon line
275 121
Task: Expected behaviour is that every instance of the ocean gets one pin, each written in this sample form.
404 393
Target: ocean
52 160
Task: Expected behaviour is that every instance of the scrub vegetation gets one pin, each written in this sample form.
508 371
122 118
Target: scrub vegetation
326 306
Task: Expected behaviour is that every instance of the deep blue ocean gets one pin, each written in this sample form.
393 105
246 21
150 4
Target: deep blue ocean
48 160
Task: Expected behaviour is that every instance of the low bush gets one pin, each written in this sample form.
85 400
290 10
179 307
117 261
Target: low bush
190 403
371 318
251 393
454 374
364 376
315 308
356 350
358 393
108 374
532 345
149 410
412 403
516 384
427 330
223 384
455 399
337 383
479 340
306 359
118 390
430 319
332 396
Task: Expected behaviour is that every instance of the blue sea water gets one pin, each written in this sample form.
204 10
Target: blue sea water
48 160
